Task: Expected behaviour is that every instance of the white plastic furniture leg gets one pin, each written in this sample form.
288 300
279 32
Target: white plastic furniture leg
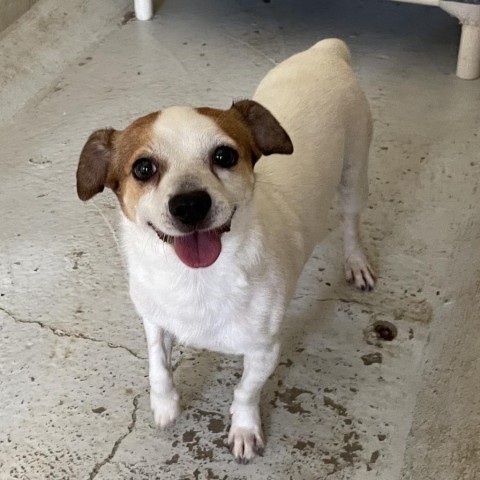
468 63
468 13
144 9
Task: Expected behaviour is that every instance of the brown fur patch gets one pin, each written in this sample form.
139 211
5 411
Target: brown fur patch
130 145
253 127
94 163
269 135
231 123
107 159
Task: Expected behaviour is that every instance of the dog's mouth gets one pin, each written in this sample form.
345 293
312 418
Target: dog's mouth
198 249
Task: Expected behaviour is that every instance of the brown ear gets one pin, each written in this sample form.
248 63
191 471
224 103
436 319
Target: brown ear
269 135
94 163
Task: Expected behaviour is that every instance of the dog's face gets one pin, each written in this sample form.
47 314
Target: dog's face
183 172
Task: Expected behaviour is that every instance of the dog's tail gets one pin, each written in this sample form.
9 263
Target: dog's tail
337 47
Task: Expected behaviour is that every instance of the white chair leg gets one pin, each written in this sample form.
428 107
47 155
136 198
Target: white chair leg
144 9
468 64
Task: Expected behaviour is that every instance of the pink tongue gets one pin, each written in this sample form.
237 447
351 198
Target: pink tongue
198 250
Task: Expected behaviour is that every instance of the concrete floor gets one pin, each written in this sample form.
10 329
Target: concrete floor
72 351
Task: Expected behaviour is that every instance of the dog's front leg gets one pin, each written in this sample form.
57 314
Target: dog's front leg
164 398
246 437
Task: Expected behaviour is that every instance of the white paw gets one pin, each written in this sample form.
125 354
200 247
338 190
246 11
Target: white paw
359 272
245 438
166 408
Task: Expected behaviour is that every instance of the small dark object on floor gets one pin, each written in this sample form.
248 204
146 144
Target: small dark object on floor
379 332
385 330
371 358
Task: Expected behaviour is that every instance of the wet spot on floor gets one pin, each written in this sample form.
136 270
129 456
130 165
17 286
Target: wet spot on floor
289 399
302 445
212 476
216 425
330 403
221 442
373 459
374 456
351 447
333 461
203 454
173 460
189 436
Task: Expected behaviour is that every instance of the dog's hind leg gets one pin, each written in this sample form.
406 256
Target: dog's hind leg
353 194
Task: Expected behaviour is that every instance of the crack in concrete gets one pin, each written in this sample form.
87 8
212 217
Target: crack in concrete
62 333
343 300
118 442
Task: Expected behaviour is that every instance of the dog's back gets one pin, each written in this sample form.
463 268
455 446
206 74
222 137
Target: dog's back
315 96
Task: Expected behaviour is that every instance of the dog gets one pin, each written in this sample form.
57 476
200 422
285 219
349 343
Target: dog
221 209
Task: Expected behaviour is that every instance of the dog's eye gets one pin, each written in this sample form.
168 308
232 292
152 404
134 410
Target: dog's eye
143 169
225 157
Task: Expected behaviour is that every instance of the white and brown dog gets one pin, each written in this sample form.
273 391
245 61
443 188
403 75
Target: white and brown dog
216 233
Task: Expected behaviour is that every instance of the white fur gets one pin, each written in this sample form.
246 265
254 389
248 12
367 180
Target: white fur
237 304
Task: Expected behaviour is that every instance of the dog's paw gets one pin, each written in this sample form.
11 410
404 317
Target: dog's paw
359 272
165 408
245 438
245 443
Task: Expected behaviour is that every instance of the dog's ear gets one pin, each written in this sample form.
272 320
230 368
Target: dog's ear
267 132
94 163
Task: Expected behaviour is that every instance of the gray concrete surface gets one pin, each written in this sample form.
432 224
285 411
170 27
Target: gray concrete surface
45 41
72 353
11 10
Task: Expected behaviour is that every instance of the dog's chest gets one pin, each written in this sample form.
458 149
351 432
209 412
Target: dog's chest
218 309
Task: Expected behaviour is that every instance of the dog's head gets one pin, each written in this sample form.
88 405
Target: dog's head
183 172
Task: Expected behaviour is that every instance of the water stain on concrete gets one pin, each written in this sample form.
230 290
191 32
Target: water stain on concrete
304 448
189 436
173 460
330 403
289 399
203 454
216 425
351 447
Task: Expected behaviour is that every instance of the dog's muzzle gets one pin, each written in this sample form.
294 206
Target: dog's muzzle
198 249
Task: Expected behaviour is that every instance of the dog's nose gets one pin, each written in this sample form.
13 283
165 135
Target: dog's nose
190 208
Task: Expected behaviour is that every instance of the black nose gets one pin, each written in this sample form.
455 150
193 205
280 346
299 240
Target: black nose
190 208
